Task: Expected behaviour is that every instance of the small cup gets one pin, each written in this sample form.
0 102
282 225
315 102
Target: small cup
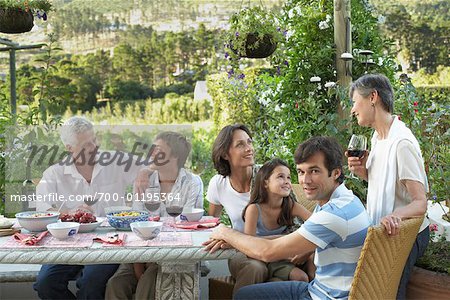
146 230
192 215
63 230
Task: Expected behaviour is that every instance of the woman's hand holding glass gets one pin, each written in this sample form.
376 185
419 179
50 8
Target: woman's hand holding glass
357 156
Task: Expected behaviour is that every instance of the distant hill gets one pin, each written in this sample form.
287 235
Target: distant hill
88 25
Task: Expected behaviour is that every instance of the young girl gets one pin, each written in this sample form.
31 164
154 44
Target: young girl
270 210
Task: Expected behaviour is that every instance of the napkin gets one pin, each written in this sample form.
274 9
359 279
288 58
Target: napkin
111 239
29 239
202 224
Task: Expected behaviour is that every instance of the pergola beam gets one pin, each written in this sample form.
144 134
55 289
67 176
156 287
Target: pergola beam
12 48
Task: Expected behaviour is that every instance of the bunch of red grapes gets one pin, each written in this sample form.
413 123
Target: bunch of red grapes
79 216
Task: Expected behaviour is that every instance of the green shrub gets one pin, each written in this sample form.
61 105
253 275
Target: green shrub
235 100
426 111
437 255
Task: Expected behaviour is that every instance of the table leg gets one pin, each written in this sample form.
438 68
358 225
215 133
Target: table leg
176 281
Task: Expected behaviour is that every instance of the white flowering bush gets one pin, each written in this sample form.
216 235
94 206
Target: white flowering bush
300 96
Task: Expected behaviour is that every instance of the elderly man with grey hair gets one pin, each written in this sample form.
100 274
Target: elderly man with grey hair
82 174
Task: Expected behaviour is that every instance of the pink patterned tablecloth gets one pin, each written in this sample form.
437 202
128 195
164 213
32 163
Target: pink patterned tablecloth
164 239
82 240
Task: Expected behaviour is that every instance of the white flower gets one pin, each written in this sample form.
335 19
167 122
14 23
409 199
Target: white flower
2 154
380 61
298 10
284 150
330 84
277 108
328 18
323 25
315 79
311 94
291 13
381 19
289 34
319 86
283 105
263 101
279 86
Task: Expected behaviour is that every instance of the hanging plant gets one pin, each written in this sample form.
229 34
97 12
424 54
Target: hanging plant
253 33
16 16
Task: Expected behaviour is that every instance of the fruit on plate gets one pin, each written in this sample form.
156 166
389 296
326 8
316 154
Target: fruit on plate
79 216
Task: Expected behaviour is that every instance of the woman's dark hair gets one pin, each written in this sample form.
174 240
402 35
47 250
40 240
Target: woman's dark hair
368 83
221 146
330 149
259 192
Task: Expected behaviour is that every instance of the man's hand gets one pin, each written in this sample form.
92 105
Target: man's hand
300 259
212 245
391 224
142 181
85 207
219 233
217 239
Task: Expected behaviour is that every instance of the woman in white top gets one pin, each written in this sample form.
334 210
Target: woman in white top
394 169
233 157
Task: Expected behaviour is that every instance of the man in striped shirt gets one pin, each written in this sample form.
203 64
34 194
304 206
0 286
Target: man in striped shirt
335 231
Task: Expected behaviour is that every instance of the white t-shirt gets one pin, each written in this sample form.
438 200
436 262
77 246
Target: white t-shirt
108 184
188 187
409 166
220 192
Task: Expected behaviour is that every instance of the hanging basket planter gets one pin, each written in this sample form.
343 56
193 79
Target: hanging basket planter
15 20
259 48
254 33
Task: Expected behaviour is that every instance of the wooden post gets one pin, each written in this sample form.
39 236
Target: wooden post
12 76
343 40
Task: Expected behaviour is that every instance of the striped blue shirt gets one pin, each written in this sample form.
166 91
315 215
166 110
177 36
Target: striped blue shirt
339 229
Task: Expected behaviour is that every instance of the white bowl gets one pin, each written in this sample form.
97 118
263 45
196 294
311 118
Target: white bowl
63 230
146 230
35 221
5 223
192 214
88 227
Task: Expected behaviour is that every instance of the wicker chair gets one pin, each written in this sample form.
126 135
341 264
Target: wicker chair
382 260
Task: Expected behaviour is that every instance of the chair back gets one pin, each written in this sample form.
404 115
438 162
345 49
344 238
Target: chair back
301 198
383 257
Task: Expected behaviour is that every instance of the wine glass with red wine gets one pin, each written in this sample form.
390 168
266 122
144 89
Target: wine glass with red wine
152 201
174 208
357 147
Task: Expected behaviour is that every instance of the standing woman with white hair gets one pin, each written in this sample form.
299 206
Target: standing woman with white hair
394 168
